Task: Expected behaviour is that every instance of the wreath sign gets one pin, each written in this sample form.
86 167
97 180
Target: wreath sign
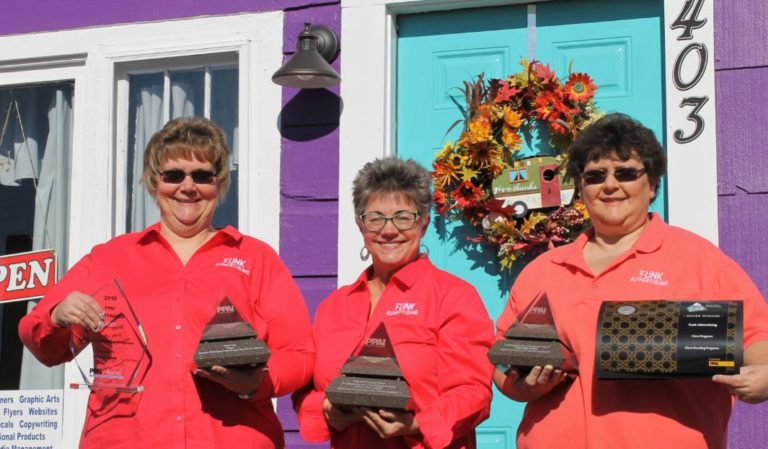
497 116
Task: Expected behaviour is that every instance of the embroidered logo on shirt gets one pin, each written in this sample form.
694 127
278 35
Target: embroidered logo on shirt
403 308
234 262
650 277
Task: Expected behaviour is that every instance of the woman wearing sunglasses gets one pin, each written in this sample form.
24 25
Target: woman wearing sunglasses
435 323
628 254
177 274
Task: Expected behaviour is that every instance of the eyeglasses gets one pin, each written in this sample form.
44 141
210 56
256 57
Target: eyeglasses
621 174
403 220
177 175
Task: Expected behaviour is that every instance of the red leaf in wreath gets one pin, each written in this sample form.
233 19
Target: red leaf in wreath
506 92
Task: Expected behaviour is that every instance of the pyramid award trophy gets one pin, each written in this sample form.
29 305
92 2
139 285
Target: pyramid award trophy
230 341
664 339
119 356
533 341
371 378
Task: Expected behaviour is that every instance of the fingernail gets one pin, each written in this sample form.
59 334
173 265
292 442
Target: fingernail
101 315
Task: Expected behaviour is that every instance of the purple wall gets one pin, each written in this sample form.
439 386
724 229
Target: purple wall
741 77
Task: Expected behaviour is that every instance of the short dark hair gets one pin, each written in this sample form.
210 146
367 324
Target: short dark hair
393 175
187 137
623 136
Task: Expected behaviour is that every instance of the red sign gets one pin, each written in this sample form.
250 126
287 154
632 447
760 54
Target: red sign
27 275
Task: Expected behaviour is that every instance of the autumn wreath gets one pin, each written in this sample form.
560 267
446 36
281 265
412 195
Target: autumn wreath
498 116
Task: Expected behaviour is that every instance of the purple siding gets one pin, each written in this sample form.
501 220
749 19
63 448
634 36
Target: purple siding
741 79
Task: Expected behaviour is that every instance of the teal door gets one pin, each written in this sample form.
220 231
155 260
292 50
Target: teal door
618 43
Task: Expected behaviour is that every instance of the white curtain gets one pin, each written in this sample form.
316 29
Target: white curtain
149 118
51 199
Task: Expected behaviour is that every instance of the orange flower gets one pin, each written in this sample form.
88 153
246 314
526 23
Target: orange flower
441 207
483 154
511 117
548 106
467 194
479 130
444 174
511 139
580 87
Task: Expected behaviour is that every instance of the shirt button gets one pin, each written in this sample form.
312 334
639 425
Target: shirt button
178 418
178 327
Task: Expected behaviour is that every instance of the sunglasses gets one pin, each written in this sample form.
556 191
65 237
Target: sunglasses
621 174
177 175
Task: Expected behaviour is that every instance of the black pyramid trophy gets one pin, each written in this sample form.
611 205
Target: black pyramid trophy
371 378
533 341
230 341
119 356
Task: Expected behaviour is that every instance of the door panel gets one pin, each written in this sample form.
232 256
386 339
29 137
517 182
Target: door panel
615 42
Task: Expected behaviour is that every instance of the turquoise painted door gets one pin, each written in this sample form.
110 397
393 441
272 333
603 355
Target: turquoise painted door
618 43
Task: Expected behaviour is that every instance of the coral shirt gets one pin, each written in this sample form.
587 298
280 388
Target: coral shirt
665 263
173 302
441 333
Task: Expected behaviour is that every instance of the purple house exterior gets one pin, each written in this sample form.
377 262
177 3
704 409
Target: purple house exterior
309 165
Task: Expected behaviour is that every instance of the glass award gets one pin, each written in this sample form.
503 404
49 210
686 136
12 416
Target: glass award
229 340
119 358
532 340
371 377
657 339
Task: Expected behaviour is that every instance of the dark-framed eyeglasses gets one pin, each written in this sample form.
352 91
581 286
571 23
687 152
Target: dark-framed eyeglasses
402 220
621 174
177 175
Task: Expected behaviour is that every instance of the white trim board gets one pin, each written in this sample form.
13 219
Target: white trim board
370 48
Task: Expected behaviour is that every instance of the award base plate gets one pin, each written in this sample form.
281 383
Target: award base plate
374 392
237 353
525 354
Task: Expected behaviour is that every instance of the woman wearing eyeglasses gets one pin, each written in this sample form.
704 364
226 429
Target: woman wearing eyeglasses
437 325
628 254
175 274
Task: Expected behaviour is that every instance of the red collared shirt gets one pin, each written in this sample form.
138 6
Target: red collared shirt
441 333
173 302
665 263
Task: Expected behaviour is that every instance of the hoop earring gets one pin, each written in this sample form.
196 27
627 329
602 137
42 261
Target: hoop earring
364 254
424 249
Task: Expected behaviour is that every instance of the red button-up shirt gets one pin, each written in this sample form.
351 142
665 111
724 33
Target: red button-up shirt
441 333
173 302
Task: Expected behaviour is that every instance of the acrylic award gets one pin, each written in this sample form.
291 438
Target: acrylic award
533 340
371 377
669 339
228 340
119 357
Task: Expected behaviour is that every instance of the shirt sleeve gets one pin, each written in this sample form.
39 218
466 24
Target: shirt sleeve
308 403
289 335
48 342
464 396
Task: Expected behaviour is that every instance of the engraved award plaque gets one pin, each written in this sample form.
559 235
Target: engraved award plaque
230 341
663 339
371 378
119 355
532 340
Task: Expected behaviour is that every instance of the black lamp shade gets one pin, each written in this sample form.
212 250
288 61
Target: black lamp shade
308 68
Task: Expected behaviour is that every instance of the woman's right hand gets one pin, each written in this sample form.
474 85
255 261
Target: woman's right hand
540 381
338 419
78 309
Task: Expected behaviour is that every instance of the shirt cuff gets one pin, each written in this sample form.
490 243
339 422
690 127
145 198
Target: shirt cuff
435 431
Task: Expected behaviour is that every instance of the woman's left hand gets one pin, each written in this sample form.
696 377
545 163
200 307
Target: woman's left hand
239 380
389 423
750 385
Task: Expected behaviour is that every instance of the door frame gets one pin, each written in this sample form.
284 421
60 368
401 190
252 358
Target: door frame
369 92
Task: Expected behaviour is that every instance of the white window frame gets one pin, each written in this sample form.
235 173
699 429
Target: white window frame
369 36
90 57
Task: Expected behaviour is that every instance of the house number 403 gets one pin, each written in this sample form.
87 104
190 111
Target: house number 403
688 20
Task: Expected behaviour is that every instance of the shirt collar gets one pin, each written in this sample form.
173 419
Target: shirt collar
404 278
152 233
649 241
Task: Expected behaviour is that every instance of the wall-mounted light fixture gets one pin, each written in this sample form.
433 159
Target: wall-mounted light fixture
317 46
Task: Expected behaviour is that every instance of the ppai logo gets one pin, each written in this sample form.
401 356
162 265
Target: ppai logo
650 277
403 308
234 262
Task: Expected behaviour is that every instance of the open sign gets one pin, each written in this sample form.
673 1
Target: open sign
27 275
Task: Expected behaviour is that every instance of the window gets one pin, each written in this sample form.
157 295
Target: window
35 148
161 90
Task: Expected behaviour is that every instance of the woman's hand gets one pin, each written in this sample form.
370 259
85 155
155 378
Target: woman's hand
750 385
389 423
239 380
78 309
540 381
337 418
